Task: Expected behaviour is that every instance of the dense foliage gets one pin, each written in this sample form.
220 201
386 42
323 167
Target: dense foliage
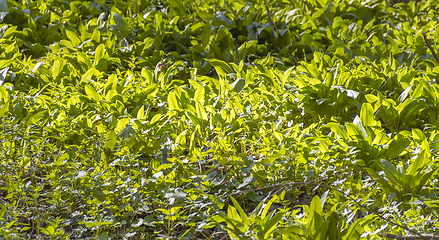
218 119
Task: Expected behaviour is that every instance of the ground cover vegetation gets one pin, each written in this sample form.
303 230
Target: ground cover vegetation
205 119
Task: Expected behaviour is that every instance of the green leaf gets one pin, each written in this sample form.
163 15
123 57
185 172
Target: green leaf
199 95
4 108
91 93
34 118
397 146
120 24
72 36
88 75
270 225
316 206
173 103
404 94
121 125
201 112
3 5
391 172
243 217
238 85
367 116
104 236
110 140
99 53
338 129
221 67
205 36
357 122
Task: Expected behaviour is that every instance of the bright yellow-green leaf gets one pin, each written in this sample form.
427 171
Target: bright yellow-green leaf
110 140
199 95
141 112
88 75
92 94
181 138
201 112
121 124
99 53
73 37
367 115
173 103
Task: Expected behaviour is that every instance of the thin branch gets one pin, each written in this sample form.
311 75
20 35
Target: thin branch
393 74
288 184
430 47
269 15
393 236
409 191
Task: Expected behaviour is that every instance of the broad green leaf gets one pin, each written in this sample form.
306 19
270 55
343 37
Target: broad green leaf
316 206
73 37
141 112
243 217
233 214
119 21
205 36
357 121
367 116
88 75
111 83
404 94
201 112
4 63
34 118
4 94
220 66
91 93
110 95
416 166
354 131
391 172
397 146
357 228
99 53
173 103
199 95
3 5
110 140
271 224
121 124
338 129
181 138
238 85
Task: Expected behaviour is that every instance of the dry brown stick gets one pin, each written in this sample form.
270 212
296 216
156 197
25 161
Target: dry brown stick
430 47
420 236
269 15
393 236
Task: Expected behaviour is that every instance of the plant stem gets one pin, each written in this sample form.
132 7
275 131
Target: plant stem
430 47
269 15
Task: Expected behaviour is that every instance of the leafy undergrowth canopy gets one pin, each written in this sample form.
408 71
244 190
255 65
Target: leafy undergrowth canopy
205 119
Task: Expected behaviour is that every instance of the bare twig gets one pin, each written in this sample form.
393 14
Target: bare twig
409 191
430 47
393 74
289 184
269 15
393 236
